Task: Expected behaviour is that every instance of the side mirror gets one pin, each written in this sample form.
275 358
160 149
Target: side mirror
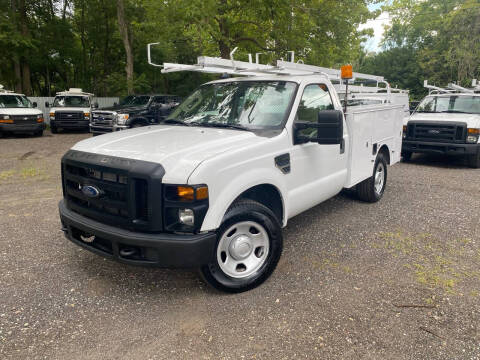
95 105
47 105
328 130
34 104
115 104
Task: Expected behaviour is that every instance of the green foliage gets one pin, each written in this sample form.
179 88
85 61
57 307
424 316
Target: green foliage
77 43
438 40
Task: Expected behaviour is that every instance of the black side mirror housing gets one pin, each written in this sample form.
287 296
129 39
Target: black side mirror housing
115 104
47 105
95 105
329 129
35 104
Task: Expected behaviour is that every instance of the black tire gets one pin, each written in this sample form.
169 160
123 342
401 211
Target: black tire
246 211
366 190
406 156
137 125
474 160
54 130
38 133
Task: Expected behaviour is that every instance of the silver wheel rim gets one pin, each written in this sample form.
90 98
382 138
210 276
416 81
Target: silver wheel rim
379 178
243 249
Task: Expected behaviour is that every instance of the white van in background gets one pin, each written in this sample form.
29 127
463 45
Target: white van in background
71 110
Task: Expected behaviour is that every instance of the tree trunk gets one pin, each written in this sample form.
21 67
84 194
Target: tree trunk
124 32
27 84
18 74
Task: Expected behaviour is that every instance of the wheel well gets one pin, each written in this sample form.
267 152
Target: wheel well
384 149
267 195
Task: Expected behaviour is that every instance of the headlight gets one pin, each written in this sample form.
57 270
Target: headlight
5 119
186 217
52 115
473 135
87 115
404 131
40 118
122 119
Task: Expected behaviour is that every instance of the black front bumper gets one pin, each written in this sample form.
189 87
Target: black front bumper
79 124
22 128
415 146
138 248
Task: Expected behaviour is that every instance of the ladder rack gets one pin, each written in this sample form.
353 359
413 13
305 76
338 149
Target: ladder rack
452 88
215 65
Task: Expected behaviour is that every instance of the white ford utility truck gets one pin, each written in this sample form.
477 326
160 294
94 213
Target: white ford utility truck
213 185
71 110
447 121
19 115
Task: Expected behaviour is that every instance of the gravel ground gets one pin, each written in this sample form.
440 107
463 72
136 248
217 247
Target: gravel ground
399 279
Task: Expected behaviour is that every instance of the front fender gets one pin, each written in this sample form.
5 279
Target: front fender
223 195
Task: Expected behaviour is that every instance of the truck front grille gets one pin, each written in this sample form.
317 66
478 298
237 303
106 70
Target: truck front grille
24 119
123 193
69 115
103 118
437 132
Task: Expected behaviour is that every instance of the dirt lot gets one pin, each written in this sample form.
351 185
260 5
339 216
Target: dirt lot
399 279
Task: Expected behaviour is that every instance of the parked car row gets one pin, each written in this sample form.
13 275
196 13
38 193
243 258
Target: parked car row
75 109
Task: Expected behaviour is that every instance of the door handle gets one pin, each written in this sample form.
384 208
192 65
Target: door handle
342 146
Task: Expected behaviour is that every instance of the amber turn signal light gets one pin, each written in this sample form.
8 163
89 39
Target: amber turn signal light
185 193
473 131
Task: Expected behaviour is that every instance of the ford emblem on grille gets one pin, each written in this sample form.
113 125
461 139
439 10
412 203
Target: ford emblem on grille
90 191
434 132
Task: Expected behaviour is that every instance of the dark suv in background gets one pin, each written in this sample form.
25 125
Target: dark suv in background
133 111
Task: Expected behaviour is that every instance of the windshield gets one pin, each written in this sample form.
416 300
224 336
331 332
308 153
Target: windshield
248 104
71 101
450 104
135 100
14 101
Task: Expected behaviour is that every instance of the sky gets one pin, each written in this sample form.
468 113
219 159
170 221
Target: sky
373 43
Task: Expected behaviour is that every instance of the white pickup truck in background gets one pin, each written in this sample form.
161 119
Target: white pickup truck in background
213 185
447 121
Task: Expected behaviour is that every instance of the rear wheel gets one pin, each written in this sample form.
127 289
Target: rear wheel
248 248
474 160
372 189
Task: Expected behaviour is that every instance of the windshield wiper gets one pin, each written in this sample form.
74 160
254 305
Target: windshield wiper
225 126
454 111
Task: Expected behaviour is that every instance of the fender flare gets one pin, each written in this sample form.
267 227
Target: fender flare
226 197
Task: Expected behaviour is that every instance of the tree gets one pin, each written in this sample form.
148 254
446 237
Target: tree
126 38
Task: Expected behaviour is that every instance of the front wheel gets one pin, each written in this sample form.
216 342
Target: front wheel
248 248
474 160
372 189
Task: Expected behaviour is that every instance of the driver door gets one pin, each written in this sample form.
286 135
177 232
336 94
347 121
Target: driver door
318 171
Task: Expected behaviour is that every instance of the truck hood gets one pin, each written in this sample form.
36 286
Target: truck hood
125 109
179 149
20 111
73 109
472 120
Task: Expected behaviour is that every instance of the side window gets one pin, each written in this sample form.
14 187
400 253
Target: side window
315 98
159 100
